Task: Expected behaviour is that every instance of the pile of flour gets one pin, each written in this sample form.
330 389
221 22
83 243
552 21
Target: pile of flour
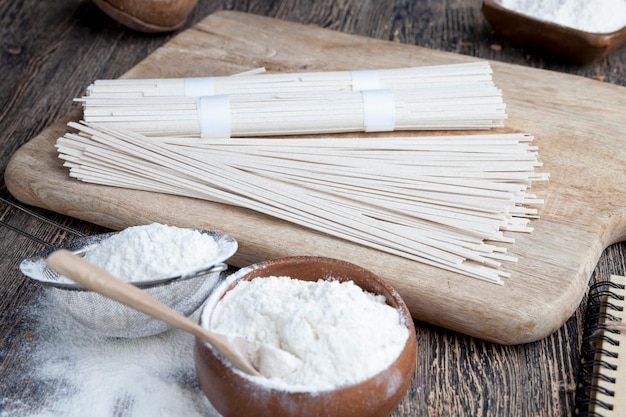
598 16
151 251
312 335
62 371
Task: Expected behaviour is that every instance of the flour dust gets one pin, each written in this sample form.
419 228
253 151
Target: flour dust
79 374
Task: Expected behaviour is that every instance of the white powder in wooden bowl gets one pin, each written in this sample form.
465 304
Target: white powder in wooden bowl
151 251
597 16
312 335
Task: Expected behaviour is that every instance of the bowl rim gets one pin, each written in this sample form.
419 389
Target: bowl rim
577 46
568 29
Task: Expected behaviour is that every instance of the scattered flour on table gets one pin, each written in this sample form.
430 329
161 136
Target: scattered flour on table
76 374
312 335
149 251
598 16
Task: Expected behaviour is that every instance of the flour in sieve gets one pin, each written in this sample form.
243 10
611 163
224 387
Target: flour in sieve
598 16
151 251
312 335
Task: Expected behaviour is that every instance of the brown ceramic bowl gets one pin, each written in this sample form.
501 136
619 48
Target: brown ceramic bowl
151 16
233 394
577 46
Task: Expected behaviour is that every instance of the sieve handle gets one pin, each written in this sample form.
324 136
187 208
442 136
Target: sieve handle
98 280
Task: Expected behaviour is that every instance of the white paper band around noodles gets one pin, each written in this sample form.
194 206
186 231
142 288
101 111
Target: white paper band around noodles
214 116
199 86
365 80
379 113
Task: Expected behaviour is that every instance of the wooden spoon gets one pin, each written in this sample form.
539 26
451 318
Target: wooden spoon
98 280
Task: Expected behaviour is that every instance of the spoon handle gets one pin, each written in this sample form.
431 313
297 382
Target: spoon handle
98 280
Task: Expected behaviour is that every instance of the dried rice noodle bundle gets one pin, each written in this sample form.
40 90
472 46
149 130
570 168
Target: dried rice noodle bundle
252 82
445 97
446 201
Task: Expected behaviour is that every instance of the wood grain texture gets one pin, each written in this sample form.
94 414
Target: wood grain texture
565 114
49 51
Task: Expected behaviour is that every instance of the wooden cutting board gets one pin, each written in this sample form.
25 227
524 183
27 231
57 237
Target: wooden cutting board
579 125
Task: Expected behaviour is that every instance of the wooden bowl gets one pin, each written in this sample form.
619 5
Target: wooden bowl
577 46
233 394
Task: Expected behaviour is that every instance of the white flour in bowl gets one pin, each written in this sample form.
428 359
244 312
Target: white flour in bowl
598 16
151 251
312 335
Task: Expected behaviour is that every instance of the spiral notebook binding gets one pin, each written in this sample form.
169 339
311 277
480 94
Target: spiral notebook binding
599 392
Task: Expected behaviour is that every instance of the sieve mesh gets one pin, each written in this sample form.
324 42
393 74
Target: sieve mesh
109 318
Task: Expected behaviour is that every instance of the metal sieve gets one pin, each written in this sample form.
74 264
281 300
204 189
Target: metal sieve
184 292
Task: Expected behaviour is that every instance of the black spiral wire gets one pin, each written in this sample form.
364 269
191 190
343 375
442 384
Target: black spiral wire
597 335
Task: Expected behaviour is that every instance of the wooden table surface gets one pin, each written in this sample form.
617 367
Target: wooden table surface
52 50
